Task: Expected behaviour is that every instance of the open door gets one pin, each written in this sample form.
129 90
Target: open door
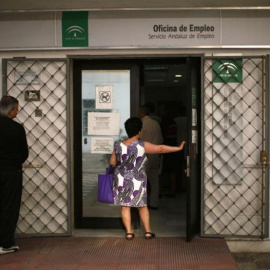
192 149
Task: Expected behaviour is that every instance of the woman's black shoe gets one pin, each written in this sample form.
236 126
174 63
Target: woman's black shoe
149 235
130 236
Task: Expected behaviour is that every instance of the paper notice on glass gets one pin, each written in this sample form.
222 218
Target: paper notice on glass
194 117
101 145
104 97
194 136
195 139
103 123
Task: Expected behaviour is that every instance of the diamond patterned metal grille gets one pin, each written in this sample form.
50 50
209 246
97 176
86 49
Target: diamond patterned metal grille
234 132
41 88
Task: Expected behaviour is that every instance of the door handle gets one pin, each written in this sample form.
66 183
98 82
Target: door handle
187 170
264 158
32 166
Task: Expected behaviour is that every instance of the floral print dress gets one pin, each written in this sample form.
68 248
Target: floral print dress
129 179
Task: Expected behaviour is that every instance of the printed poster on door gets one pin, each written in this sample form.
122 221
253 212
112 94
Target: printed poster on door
103 123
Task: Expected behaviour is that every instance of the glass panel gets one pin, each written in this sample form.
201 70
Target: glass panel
105 108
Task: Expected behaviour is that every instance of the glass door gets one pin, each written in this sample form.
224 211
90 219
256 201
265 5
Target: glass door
102 103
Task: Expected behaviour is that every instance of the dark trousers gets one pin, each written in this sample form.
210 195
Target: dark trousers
10 201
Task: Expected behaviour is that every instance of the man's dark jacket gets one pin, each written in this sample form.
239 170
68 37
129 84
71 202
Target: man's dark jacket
13 145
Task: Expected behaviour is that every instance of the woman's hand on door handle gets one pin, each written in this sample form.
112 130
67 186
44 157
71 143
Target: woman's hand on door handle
182 144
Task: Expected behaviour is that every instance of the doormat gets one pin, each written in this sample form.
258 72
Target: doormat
117 253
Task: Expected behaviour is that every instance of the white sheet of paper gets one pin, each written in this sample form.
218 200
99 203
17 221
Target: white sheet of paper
101 145
194 117
103 123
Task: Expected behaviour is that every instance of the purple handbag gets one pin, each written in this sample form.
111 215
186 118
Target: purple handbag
105 186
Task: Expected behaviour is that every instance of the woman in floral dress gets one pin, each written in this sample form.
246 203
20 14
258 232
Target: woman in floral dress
129 180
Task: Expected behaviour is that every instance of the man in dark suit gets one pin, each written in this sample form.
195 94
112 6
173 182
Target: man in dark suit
13 153
151 132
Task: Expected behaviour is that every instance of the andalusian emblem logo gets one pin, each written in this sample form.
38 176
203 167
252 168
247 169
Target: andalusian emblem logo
75 29
228 71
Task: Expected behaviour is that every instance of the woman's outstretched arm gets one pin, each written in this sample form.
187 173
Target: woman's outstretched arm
162 149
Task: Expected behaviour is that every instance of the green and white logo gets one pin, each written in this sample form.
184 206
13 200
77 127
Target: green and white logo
75 29
228 71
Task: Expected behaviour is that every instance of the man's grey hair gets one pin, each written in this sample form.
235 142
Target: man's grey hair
7 104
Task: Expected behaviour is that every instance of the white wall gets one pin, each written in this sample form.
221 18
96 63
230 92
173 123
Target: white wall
142 29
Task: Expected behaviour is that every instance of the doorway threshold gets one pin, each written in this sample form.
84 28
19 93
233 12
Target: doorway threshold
121 233
98 233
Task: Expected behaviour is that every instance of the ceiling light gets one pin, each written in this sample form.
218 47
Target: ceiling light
178 76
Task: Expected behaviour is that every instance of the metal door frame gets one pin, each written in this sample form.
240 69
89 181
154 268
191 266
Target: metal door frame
193 173
38 226
78 64
207 230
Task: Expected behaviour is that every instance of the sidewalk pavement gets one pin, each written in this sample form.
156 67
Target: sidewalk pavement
252 261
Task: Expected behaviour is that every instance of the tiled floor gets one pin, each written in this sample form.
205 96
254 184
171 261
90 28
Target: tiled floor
168 221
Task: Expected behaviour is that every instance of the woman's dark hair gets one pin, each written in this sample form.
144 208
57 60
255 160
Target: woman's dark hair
7 104
133 125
